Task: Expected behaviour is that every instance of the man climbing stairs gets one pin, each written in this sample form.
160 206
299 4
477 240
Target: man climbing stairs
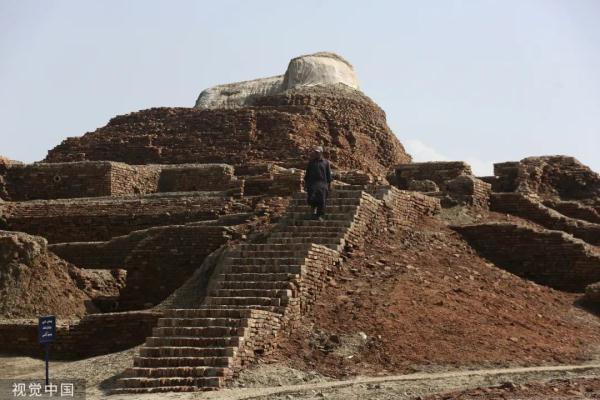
260 289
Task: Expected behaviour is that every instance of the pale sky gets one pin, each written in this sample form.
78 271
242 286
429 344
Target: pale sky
480 81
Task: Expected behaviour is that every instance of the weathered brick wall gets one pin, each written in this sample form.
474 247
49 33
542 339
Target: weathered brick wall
259 338
531 209
93 335
469 190
357 177
194 177
574 209
436 171
506 174
133 179
106 178
63 180
321 265
97 219
409 208
270 179
450 181
552 258
77 179
113 253
550 177
165 259
97 255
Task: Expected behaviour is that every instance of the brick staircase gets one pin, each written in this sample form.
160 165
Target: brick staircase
258 290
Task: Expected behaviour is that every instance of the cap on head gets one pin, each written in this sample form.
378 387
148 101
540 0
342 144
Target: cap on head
319 149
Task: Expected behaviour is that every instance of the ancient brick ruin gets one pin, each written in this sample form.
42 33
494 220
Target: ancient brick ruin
187 230
559 197
282 129
450 181
549 257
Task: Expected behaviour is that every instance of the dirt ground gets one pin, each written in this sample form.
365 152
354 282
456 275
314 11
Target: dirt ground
555 389
280 382
423 300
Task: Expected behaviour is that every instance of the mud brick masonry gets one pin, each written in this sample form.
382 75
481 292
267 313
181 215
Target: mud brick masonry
549 177
104 178
575 210
157 260
68 180
197 177
552 258
451 181
95 334
533 210
283 128
45 181
100 218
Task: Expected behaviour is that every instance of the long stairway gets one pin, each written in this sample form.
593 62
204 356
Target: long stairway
259 289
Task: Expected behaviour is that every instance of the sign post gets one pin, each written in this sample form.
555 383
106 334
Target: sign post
46 334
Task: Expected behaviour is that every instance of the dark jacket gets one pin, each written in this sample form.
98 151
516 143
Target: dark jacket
318 172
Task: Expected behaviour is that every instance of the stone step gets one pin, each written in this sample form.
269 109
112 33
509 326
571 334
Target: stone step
192 341
311 230
289 261
166 372
253 307
207 312
341 201
160 389
300 231
258 284
303 216
274 293
173 384
274 253
270 247
266 268
333 194
314 223
187 351
153 362
365 187
309 239
331 208
245 301
202 322
260 277
207 331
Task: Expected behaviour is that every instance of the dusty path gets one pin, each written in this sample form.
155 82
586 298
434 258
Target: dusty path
100 371
382 388
413 385
391 387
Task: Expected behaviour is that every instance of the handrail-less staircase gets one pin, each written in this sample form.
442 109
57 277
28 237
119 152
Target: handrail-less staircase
260 289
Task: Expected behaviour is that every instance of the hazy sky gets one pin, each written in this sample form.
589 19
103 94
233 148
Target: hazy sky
481 81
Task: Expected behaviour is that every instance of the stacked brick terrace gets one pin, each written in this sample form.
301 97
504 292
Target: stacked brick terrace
258 290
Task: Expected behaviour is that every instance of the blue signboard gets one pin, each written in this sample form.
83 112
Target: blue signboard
46 329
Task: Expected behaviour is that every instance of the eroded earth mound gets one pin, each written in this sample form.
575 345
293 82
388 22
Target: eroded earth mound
35 282
422 298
